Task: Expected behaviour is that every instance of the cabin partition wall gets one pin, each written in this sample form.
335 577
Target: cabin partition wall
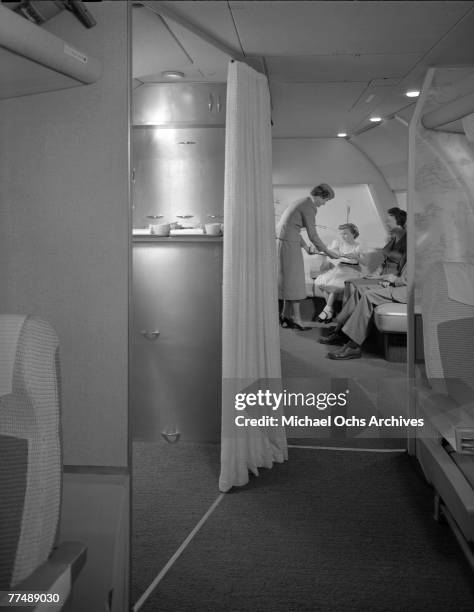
441 250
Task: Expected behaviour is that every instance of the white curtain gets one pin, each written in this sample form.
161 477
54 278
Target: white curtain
251 342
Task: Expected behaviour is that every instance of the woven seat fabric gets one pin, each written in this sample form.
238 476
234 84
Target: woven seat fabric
31 412
9 334
13 472
448 328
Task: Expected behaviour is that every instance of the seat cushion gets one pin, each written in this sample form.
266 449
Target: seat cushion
13 477
391 318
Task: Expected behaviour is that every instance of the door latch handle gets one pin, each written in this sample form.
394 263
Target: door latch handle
150 334
210 103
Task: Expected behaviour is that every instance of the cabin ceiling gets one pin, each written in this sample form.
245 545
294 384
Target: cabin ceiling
330 65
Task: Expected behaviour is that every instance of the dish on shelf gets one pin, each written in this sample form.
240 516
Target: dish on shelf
161 229
195 231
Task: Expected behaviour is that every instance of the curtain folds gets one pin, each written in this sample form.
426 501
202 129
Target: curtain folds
250 342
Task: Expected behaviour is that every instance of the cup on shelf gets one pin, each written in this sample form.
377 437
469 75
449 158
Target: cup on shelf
160 229
213 229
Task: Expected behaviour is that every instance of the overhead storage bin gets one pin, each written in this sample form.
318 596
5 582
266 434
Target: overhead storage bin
32 60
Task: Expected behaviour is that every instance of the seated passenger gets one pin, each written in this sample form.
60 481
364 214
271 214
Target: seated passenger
357 326
395 251
389 271
331 282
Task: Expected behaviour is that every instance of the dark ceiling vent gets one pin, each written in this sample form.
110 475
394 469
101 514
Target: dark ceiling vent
39 12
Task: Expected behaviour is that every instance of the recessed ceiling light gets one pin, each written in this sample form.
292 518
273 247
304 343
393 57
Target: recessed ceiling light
413 93
376 119
172 74
342 135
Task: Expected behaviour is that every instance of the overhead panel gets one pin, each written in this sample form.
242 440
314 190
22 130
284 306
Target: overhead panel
154 48
208 61
305 28
33 60
372 102
457 47
310 109
340 67
214 18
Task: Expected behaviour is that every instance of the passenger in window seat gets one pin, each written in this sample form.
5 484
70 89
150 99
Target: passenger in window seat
361 296
395 251
347 267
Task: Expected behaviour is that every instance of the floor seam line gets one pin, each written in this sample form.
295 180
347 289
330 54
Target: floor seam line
344 448
179 551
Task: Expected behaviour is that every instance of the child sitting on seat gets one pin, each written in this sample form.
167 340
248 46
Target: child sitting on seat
347 267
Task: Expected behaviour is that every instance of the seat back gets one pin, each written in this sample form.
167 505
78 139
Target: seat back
448 333
30 445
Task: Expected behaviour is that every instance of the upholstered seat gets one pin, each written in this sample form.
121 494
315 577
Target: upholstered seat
391 318
30 449
445 447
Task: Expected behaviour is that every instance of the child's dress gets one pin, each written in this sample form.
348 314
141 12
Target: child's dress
333 280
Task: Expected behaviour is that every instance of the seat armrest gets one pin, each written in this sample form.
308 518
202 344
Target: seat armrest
452 421
56 575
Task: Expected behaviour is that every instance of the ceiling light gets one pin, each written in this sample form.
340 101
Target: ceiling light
375 119
341 135
413 93
172 74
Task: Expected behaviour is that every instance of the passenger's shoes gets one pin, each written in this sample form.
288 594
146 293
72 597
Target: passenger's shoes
333 338
326 316
346 352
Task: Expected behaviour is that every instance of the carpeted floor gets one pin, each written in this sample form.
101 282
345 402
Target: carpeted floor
173 486
377 388
302 356
327 531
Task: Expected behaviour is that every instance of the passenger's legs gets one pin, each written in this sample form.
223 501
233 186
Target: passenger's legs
358 324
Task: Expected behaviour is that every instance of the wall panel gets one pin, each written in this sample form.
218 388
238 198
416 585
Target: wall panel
64 231
309 161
